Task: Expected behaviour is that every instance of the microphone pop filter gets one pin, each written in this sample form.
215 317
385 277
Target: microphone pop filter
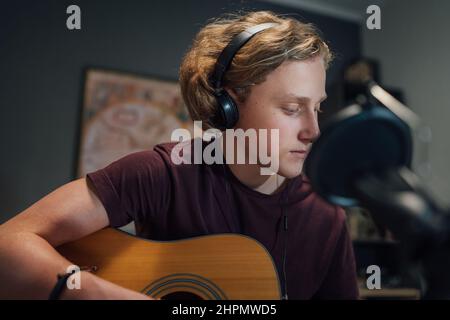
356 140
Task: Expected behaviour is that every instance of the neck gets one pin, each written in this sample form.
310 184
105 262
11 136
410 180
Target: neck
250 175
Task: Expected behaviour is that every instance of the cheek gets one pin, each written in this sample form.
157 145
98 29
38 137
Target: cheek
289 129
257 116
287 136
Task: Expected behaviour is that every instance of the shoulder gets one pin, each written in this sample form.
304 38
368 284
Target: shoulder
177 160
170 160
163 155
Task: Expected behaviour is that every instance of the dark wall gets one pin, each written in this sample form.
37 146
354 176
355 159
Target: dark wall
42 64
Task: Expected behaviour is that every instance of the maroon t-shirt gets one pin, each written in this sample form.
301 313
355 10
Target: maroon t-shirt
168 202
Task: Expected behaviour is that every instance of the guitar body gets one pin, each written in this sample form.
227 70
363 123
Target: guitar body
213 267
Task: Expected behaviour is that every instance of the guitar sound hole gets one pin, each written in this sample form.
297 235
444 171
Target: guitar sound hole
181 295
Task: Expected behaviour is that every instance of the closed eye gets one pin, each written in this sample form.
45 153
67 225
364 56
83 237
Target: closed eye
297 110
291 110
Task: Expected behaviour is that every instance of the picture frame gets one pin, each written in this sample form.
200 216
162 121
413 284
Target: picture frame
123 113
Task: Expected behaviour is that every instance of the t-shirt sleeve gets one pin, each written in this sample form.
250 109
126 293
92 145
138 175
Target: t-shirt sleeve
133 188
341 280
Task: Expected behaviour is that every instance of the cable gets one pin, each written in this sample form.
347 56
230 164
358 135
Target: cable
285 194
285 231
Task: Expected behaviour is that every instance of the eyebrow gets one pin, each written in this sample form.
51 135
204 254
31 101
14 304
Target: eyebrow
300 98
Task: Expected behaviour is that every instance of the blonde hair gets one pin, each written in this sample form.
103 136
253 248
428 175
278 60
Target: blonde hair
289 40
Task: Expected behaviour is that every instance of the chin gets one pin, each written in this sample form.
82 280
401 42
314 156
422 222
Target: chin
291 171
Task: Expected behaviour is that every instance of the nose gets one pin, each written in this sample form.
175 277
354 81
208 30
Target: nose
309 129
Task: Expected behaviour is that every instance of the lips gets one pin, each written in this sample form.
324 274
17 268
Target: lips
299 153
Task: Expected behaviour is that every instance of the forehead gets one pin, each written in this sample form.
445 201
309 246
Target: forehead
296 79
292 97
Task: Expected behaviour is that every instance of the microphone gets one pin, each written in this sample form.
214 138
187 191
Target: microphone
363 158
363 137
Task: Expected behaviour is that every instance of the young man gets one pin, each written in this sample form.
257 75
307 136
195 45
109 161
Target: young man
276 80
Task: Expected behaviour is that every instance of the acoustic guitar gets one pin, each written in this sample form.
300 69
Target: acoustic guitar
212 267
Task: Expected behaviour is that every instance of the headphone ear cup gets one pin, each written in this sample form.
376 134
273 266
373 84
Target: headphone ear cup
229 112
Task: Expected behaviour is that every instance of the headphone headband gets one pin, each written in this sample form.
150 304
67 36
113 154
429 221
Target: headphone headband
227 114
228 53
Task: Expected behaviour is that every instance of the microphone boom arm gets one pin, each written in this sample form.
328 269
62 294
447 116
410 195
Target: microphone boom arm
397 199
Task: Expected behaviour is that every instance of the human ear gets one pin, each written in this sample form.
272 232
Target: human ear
232 94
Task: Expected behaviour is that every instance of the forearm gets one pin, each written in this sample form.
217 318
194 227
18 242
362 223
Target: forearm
29 266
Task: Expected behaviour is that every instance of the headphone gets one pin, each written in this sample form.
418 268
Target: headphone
228 113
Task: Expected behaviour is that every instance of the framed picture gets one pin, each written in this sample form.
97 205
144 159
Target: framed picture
124 113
